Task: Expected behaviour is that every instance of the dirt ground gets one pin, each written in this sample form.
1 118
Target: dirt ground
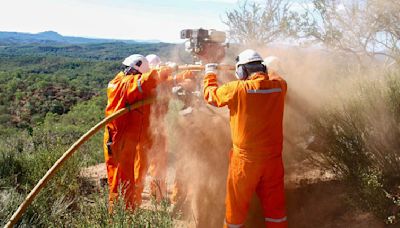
313 198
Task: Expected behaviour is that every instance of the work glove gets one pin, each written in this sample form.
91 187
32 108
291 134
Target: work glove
172 65
211 68
178 90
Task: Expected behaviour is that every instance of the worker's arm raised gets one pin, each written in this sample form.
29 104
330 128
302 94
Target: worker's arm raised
218 96
273 76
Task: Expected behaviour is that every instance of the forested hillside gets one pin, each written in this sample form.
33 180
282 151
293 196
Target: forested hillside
36 79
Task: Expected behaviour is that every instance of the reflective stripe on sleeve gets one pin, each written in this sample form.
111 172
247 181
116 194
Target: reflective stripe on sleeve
111 85
276 220
139 84
264 91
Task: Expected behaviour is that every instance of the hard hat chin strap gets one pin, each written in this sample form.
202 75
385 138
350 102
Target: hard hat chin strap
130 70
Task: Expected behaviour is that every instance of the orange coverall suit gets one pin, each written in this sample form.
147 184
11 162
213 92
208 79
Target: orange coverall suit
256 113
122 136
156 161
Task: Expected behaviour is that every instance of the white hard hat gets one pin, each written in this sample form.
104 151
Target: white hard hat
153 59
248 56
137 62
273 63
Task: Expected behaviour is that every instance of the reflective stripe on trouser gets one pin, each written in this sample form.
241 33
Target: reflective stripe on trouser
276 223
276 220
229 225
263 176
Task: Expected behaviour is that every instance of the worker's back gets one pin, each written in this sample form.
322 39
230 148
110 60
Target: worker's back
127 89
256 115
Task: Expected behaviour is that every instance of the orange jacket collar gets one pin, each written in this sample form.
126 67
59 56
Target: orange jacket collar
259 75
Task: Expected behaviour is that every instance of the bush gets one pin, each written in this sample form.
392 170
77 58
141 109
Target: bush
68 199
358 139
96 214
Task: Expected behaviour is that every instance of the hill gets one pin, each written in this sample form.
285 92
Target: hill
41 78
51 37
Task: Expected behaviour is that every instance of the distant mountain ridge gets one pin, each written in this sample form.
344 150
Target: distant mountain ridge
54 37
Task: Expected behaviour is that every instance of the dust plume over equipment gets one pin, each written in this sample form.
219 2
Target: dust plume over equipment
198 136
199 139
199 143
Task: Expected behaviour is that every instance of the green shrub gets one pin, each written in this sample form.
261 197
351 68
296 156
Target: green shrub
68 200
96 214
357 137
9 200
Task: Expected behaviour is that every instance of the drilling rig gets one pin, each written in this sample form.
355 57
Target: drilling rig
205 46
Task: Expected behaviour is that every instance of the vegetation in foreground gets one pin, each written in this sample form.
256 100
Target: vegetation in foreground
69 199
356 137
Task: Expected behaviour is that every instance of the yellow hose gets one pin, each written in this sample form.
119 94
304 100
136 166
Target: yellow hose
50 173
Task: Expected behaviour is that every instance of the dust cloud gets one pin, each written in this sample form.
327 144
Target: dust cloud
198 141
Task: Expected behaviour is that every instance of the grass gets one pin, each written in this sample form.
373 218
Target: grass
96 214
68 200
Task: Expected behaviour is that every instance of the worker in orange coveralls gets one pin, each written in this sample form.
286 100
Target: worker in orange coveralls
122 136
256 104
152 154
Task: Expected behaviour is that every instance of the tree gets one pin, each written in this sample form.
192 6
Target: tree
259 24
387 27
360 27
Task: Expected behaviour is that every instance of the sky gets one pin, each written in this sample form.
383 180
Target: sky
116 19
